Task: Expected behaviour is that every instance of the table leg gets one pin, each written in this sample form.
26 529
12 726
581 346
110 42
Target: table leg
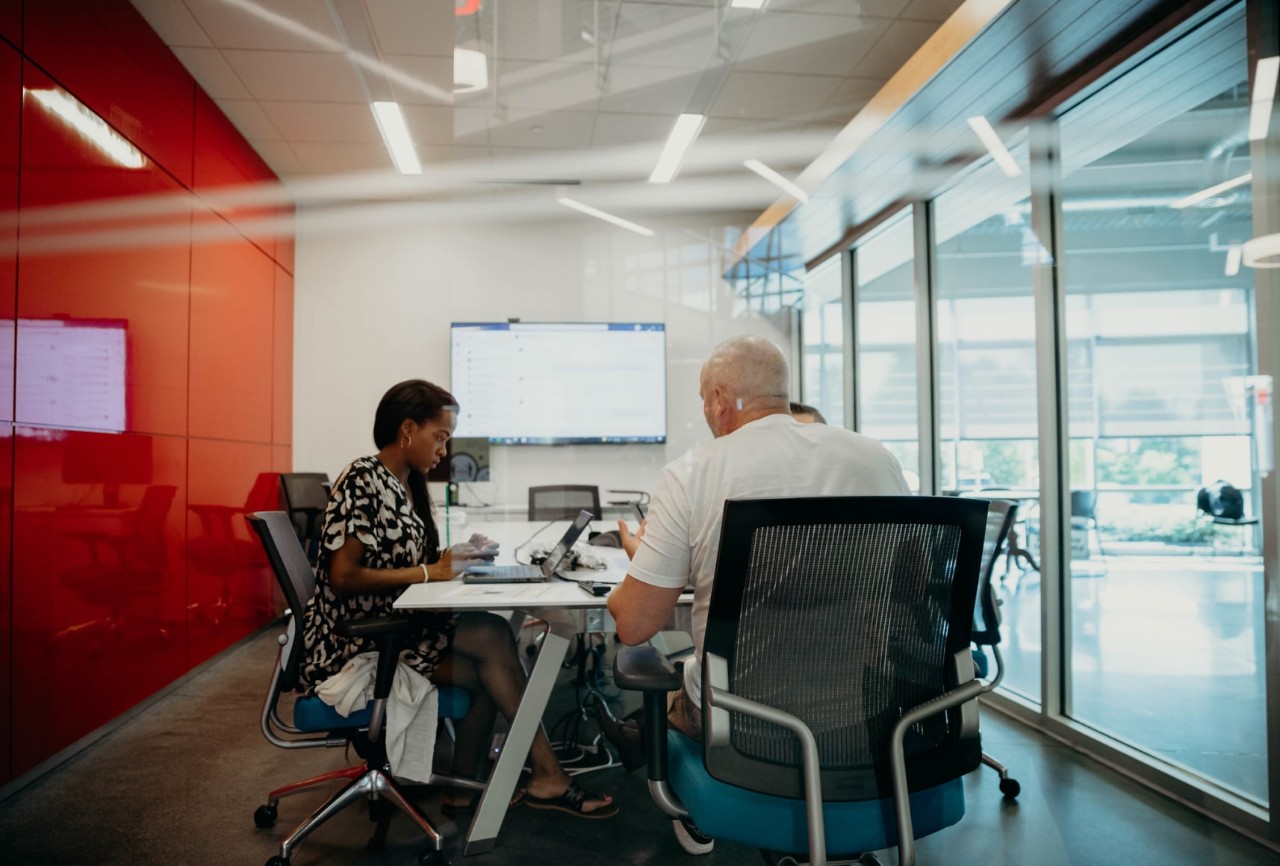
506 772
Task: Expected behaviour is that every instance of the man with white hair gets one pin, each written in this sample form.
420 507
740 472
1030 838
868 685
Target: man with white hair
759 452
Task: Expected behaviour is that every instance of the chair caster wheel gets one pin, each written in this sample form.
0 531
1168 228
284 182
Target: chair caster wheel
1010 788
431 857
265 816
278 861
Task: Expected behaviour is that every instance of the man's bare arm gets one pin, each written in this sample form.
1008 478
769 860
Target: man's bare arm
641 609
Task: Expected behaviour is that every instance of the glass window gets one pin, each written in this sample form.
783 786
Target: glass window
884 289
1166 607
823 328
988 432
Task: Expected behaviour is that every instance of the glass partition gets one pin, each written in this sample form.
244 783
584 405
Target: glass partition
823 329
986 253
884 292
1165 603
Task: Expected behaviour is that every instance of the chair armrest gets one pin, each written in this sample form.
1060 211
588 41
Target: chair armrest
373 627
386 632
644 669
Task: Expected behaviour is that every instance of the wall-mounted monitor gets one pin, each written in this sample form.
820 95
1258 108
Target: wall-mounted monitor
71 372
559 383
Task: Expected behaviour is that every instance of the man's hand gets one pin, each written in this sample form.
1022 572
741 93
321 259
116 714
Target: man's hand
630 543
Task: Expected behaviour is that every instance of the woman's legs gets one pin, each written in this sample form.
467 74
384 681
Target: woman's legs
484 658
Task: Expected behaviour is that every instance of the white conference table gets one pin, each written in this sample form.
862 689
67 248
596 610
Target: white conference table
564 607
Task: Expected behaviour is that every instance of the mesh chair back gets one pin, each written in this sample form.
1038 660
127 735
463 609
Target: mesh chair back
293 573
563 501
986 613
305 496
844 612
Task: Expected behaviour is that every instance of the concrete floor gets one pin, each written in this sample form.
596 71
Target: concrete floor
179 784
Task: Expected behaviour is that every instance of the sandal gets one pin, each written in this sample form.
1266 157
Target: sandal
570 802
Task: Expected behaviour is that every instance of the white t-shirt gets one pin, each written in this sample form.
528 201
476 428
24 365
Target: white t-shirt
770 458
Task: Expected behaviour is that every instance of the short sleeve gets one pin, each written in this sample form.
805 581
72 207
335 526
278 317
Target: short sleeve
663 558
351 510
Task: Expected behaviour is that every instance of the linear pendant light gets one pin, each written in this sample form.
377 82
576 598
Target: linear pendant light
683 133
395 135
604 215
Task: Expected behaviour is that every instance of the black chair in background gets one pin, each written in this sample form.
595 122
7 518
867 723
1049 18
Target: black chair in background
1001 515
557 501
838 689
305 496
318 725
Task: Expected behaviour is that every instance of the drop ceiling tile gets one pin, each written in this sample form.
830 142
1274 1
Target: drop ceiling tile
530 164
412 27
420 80
430 124
471 126
541 31
647 90
173 22
439 155
329 157
848 99
250 119
930 10
279 155
809 44
296 76
323 121
551 129
684 45
770 96
215 76
547 85
623 129
660 34
271 25
854 8
888 55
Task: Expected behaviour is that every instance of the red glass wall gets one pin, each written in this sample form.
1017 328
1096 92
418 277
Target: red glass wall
145 373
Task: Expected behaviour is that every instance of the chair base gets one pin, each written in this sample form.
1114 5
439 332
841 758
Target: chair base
1009 786
772 858
364 783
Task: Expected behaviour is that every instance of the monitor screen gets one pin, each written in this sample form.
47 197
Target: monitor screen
71 373
549 383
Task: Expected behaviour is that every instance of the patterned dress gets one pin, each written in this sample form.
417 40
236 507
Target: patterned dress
370 503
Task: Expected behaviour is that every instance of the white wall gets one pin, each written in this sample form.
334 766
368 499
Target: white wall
373 307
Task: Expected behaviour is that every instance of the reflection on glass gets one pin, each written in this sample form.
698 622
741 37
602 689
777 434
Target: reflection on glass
886 365
823 329
987 382
1166 607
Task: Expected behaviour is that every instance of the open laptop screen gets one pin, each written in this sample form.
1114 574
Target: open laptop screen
570 536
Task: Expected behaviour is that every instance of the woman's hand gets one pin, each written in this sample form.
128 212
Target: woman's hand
486 546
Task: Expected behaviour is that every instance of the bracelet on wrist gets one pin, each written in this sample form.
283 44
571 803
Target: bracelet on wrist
426 575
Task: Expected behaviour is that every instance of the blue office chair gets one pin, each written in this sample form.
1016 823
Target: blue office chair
1001 515
838 690
316 724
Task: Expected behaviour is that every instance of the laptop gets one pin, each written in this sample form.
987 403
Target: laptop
530 573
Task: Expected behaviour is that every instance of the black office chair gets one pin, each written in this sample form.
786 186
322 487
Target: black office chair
556 501
305 496
316 724
1001 515
838 690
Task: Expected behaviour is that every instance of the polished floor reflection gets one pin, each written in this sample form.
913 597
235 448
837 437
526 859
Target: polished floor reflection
1167 654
